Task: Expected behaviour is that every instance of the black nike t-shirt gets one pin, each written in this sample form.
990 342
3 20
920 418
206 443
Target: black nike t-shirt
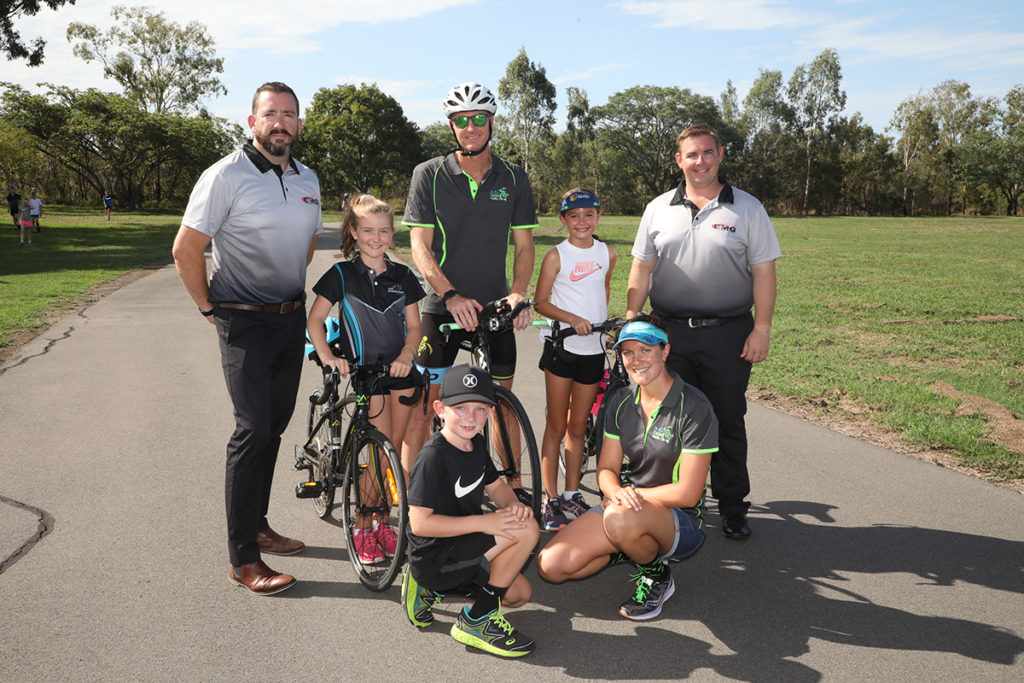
450 482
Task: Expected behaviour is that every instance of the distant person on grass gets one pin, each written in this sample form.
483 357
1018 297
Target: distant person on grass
706 252
14 206
36 205
261 210
25 220
108 202
454 547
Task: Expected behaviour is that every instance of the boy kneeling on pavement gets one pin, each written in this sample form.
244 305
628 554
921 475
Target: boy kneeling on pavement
453 545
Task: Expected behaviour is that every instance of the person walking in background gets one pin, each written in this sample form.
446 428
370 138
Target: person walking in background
108 202
706 252
25 222
260 208
14 206
36 204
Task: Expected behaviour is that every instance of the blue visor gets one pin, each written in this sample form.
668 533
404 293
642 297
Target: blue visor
578 199
643 332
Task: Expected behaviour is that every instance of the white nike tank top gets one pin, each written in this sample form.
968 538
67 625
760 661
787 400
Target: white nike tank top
579 289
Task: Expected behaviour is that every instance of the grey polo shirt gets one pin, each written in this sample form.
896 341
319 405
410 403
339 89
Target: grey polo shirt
704 256
262 222
472 223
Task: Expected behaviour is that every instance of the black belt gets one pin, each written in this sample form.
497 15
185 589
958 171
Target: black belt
701 322
283 307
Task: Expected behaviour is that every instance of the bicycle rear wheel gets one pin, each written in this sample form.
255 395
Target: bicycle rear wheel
325 441
513 448
375 511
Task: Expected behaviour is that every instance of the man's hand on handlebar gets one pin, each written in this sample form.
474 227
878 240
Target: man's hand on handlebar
525 316
464 311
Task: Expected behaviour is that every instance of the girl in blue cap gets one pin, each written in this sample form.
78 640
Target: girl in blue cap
573 288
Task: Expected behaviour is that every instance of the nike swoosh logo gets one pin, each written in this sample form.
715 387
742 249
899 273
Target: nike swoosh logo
461 490
583 269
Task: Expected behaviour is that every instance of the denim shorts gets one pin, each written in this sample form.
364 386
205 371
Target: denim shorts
689 537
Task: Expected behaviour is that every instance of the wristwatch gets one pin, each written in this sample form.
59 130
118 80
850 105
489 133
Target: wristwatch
448 295
209 312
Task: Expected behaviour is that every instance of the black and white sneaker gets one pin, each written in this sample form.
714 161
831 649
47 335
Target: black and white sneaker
652 590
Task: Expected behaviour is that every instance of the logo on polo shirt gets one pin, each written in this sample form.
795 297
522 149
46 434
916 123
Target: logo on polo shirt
396 289
499 195
583 269
723 226
662 434
311 200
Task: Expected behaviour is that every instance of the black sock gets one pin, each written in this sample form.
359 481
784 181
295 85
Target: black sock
487 600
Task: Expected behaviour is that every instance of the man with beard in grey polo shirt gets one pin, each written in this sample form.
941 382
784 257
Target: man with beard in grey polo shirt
261 210
706 252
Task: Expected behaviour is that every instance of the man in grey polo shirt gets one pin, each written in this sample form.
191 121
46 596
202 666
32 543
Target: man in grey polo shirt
706 253
261 210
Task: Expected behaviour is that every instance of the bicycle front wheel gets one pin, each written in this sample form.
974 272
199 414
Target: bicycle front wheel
325 441
375 511
513 448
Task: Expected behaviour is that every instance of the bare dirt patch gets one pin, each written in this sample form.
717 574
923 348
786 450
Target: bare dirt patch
1007 431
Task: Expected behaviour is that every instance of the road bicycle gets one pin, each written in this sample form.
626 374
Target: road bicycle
508 433
615 377
343 448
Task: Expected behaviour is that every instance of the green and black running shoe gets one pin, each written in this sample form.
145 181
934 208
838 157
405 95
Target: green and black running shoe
652 590
418 601
491 633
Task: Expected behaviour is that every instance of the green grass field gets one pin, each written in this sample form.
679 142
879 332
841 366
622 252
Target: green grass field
878 318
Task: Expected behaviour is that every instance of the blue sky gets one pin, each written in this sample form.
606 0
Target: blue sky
416 49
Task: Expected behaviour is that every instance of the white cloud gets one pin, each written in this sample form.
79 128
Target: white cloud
724 15
592 72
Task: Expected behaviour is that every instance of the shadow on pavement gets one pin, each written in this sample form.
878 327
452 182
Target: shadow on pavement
766 598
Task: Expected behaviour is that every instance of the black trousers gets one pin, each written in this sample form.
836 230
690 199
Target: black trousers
261 354
709 359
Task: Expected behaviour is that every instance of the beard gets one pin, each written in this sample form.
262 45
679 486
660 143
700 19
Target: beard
276 150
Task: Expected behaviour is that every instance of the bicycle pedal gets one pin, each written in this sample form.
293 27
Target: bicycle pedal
309 489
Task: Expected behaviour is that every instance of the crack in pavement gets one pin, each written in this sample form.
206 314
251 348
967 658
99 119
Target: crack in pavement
45 526
49 344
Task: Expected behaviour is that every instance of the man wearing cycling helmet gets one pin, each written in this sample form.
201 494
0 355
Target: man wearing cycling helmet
462 208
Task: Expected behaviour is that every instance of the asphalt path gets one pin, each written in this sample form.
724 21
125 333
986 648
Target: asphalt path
863 564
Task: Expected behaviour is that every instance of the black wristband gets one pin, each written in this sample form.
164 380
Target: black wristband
207 313
448 295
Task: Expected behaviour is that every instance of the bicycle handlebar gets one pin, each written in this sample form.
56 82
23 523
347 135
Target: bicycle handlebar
559 333
495 316
368 372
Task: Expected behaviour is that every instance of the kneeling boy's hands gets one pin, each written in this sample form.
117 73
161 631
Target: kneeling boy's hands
503 522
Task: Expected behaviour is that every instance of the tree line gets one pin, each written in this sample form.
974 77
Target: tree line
945 150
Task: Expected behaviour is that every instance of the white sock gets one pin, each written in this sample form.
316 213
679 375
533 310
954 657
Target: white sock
567 495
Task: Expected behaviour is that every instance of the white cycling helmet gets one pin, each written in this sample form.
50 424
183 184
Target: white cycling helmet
469 97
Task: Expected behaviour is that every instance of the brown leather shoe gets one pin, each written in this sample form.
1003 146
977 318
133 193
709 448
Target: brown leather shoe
274 543
261 579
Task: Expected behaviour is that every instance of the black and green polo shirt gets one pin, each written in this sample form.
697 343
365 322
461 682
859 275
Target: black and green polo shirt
472 223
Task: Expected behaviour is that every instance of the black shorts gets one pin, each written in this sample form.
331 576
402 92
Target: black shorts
464 565
583 369
435 354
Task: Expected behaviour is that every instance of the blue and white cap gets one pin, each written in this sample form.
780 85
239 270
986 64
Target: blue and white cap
579 198
643 332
